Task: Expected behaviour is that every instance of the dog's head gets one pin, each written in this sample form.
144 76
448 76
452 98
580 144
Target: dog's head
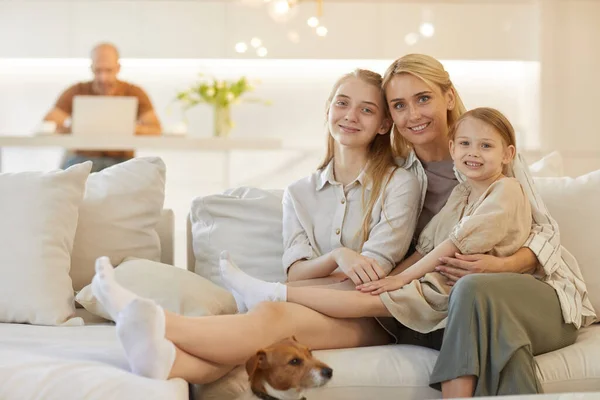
285 369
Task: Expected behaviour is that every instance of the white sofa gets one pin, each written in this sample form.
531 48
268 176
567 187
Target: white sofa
84 361
242 220
79 362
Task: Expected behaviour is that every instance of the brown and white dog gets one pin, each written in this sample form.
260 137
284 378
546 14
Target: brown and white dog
284 370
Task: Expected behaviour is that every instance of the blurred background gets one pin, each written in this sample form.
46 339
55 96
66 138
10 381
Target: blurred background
535 60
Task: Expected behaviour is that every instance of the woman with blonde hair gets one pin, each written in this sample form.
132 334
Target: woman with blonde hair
356 215
490 338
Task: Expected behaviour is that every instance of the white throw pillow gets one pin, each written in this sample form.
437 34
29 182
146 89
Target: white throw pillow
177 290
550 165
575 205
39 213
118 216
247 222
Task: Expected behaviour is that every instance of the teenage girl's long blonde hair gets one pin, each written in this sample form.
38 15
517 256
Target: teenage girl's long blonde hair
430 71
380 158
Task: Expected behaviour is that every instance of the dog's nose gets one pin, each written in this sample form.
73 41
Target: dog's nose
327 373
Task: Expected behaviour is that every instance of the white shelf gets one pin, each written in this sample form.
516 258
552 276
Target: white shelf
142 142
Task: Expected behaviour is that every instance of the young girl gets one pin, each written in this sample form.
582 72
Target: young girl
488 213
357 212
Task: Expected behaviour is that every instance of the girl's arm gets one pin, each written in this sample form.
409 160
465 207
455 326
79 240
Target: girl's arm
407 262
418 270
319 267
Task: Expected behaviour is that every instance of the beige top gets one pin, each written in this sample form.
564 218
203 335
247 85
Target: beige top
560 267
498 223
320 214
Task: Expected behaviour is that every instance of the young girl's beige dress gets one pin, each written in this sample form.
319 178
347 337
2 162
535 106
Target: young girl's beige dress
498 223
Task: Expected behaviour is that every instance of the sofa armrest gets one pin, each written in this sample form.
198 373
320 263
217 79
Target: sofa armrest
165 229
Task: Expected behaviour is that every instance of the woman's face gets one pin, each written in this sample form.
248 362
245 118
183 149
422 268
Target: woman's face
356 114
419 111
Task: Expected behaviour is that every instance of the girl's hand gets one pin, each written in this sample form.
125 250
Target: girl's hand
387 284
358 268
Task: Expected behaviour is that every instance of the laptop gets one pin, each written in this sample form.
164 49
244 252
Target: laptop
104 116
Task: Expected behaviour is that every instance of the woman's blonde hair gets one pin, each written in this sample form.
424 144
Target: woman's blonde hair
380 154
430 71
493 118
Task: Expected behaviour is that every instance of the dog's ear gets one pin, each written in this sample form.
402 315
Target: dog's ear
257 361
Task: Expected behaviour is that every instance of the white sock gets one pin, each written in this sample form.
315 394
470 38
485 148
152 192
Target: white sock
105 288
239 301
252 290
141 331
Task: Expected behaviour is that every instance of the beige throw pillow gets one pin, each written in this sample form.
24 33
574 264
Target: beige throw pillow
38 214
175 289
119 216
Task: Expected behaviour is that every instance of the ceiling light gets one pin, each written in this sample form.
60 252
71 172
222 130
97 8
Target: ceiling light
321 31
282 11
411 39
293 37
261 52
313 22
427 29
241 47
255 42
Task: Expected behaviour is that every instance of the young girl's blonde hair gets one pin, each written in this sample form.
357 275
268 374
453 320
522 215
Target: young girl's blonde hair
492 117
430 71
380 157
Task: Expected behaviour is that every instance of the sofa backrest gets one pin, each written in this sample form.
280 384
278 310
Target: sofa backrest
165 228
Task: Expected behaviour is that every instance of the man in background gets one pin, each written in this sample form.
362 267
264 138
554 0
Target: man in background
105 67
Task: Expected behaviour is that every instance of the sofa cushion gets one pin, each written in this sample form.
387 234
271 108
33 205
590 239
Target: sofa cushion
247 223
574 204
118 216
551 165
402 372
175 289
39 213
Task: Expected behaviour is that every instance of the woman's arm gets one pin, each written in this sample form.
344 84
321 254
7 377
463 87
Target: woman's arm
524 261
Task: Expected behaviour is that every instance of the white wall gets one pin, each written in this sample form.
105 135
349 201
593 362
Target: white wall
546 82
570 82
209 29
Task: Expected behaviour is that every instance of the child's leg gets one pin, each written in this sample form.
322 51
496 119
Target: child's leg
338 303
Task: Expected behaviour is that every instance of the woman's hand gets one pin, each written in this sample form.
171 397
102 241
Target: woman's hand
456 267
358 268
387 284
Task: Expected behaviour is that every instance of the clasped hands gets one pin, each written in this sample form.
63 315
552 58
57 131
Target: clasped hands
369 277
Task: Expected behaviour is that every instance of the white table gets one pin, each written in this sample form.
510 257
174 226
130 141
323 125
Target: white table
165 142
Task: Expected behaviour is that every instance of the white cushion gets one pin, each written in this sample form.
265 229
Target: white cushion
39 213
550 165
119 216
402 372
247 222
575 204
175 289
574 368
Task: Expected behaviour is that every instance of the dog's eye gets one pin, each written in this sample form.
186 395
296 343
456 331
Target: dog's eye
295 361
